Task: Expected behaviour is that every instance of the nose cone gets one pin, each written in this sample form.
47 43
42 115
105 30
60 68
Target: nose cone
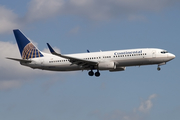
171 56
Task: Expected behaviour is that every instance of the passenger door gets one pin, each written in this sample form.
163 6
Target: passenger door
153 54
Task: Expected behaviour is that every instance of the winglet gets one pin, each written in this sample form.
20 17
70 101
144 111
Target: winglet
51 49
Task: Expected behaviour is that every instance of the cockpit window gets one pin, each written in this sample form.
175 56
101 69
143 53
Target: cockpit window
163 52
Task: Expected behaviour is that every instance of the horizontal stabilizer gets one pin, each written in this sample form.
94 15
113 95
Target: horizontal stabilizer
20 60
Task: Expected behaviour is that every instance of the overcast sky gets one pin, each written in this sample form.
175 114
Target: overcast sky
73 26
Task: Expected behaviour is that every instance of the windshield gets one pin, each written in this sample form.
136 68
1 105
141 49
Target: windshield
163 52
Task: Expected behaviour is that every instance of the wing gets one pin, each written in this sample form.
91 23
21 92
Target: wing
84 64
20 60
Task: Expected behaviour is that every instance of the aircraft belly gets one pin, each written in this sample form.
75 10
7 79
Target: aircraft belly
62 68
133 62
143 61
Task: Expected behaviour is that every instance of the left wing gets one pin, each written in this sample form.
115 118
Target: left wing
78 61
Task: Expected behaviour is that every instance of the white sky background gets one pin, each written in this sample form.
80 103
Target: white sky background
75 26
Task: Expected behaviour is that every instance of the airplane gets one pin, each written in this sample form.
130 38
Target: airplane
116 60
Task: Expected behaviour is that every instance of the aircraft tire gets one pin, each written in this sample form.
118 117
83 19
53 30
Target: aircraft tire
158 68
97 74
91 73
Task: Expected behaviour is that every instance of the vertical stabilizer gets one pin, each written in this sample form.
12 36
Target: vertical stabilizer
26 47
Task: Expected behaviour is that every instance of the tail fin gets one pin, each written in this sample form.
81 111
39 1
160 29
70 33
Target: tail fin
26 47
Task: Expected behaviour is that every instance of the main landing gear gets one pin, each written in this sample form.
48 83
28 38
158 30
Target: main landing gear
91 73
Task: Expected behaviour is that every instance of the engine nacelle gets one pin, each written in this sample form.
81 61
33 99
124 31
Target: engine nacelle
118 69
106 66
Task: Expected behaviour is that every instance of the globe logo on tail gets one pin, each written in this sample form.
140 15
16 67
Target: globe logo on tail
30 51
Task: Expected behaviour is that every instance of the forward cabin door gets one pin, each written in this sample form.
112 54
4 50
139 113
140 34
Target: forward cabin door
153 54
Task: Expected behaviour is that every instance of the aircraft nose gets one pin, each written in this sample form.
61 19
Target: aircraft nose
171 56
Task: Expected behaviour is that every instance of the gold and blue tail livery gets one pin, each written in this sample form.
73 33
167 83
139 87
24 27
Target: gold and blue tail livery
26 47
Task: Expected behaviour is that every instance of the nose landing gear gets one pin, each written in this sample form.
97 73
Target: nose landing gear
158 68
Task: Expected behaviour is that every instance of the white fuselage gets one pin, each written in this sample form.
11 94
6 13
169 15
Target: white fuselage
108 60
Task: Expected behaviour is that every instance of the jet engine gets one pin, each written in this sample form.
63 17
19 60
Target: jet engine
106 66
118 69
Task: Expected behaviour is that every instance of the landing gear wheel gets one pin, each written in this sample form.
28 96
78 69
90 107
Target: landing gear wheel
97 74
91 73
158 68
